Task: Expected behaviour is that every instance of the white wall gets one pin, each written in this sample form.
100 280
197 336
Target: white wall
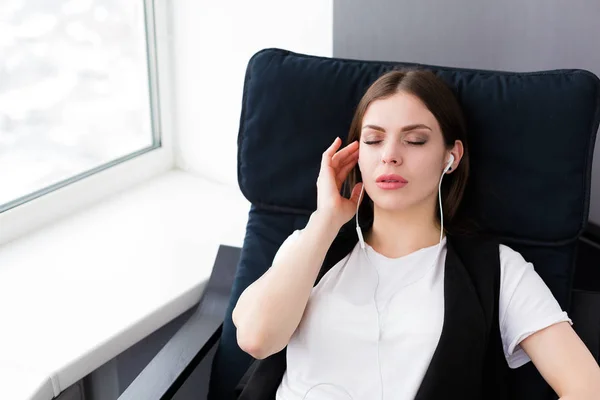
213 42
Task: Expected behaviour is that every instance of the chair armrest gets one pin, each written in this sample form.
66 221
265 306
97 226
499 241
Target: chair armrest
585 314
182 354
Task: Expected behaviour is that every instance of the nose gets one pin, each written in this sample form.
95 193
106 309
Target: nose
390 155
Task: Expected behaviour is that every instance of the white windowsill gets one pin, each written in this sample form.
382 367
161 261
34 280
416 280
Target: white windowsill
77 293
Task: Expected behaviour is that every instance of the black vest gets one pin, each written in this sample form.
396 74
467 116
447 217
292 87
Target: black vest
468 362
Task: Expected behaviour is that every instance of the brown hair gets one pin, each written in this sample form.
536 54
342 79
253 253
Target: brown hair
439 98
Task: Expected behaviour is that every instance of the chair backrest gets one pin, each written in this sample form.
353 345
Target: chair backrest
531 137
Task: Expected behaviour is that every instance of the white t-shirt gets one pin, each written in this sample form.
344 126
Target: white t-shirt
337 350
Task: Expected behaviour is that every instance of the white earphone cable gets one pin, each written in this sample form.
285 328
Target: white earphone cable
362 245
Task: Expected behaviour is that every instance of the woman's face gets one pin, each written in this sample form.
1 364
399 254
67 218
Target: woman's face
400 136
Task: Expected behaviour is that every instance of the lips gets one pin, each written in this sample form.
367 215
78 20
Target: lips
391 178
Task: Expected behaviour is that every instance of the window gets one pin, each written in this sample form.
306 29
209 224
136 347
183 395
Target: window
78 91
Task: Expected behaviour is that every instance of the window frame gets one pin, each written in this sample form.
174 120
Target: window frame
48 204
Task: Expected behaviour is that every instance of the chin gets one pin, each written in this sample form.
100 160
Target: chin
391 203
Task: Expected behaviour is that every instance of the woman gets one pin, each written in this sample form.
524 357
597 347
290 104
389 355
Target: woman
380 323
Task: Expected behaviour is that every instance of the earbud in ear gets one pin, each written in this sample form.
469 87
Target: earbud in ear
449 164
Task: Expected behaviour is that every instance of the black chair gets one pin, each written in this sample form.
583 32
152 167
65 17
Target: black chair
531 136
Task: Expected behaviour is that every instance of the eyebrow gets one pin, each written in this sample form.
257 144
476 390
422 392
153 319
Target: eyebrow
404 129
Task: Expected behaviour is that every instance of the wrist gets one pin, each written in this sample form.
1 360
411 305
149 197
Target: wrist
325 222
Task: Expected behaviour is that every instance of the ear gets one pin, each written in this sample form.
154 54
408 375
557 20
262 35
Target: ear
457 151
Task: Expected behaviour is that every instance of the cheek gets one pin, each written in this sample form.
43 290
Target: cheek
423 171
429 174
365 166
367 158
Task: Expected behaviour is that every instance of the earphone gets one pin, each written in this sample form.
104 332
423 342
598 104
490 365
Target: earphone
449 165
362 245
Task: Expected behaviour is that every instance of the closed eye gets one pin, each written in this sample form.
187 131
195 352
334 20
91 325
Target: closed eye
378 141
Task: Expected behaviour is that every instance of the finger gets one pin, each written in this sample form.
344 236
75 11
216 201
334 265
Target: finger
349 159
347 149
340 162
343 155
356 192
345 170
327 154
331 149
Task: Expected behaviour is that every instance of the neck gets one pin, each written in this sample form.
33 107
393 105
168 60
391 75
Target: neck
398 233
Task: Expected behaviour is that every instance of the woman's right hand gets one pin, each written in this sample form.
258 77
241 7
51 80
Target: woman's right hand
335 167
